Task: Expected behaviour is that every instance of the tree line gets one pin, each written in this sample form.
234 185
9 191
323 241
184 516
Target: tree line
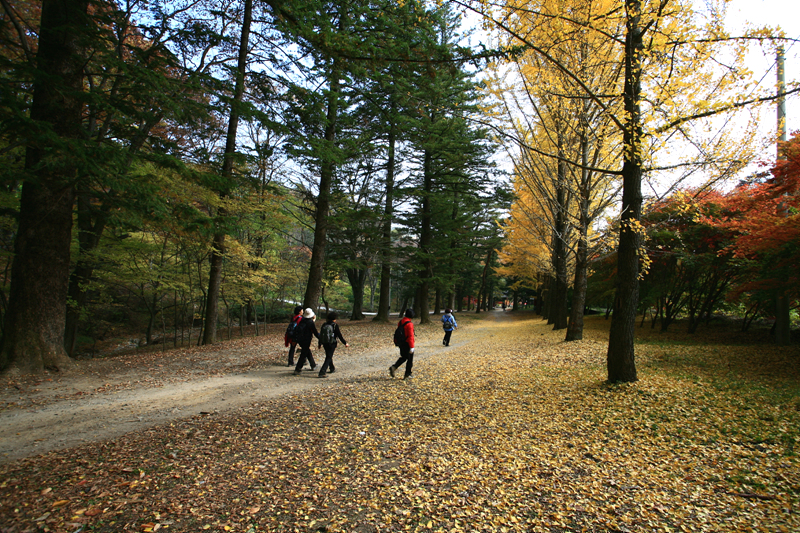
185 164
191 157
605 98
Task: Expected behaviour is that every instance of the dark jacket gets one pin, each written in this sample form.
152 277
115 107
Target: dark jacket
308 330
336 332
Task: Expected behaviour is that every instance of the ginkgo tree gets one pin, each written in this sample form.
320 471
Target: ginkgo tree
673 83
562 142
524 255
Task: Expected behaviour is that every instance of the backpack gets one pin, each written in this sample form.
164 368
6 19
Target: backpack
400 334
291 330
302 332
448 322
327 334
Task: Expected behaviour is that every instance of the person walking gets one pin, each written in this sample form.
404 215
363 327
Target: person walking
404 339
289 338
328 334
306 330
449 324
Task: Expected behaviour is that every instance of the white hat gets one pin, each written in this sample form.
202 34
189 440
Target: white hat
308 313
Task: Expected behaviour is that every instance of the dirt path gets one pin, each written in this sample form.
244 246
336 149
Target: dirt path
101 402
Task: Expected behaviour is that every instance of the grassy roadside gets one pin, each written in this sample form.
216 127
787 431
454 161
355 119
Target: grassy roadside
513 431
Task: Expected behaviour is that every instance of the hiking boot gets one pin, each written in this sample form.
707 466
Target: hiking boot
407 378
296 373
391 370
323 375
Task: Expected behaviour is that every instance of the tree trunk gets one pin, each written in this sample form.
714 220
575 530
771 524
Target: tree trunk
357 277
548 297
388 214
34 324
316 267
214 283
218 245
620 356
426 240
484 276
152 309
558 308
575 327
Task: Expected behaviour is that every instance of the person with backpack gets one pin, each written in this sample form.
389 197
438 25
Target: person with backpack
328 334
404 339
305 331
449 324
289 336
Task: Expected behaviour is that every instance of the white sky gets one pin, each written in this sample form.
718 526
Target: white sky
758 13
775 13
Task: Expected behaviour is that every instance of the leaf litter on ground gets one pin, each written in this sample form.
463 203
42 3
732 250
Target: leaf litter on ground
514 430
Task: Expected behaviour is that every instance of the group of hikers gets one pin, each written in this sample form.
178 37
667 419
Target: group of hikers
302 329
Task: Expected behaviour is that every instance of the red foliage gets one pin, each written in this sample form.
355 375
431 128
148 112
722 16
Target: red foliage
764 219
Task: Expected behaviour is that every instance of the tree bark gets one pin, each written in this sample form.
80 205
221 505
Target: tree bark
620 356
388 213
357 277
316 268
34 323
575 326
426 240
218 243
558 309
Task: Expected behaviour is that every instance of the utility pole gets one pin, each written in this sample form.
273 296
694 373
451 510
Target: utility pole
782 320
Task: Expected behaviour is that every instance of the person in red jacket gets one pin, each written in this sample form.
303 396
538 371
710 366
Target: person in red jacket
406 345
289 342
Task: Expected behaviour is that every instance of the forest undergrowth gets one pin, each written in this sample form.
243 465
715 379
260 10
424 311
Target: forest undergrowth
515 430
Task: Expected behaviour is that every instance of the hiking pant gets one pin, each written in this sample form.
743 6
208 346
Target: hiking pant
405 357
292 348
446 340
305 353
328 364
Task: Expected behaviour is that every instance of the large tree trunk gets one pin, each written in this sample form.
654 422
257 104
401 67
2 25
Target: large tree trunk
34 323
388 213
484 276
426 240
214 284
558 309
575 327
620 356
316 268
357 277
218 244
